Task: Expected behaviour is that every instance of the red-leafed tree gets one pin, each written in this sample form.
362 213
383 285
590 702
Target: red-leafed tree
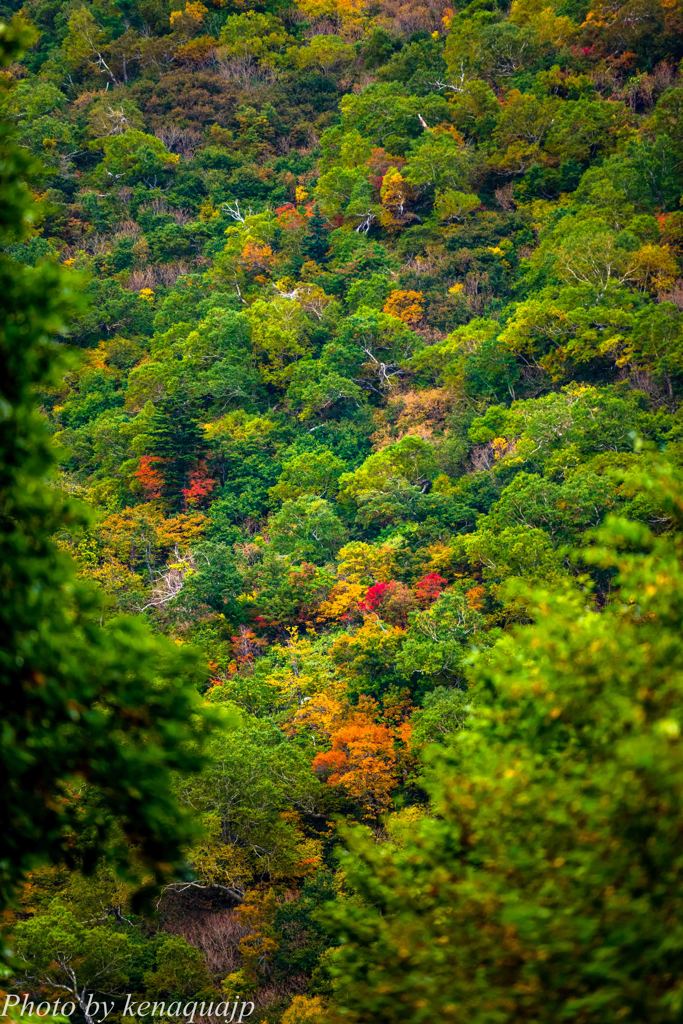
200 485
374 596
149 476
392 601
428 588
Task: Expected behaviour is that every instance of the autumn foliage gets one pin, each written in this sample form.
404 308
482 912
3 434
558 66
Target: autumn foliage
407 306
199 487
364 759
150 476
380 333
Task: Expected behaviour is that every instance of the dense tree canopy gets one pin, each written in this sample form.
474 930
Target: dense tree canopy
94 720
356 329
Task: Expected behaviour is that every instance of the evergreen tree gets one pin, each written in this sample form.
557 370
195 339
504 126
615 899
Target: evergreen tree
176 439
316 241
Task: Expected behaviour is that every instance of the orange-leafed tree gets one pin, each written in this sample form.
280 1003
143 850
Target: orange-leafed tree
406 305
256 257
364 758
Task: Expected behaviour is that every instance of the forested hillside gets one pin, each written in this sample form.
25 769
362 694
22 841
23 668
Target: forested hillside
371 348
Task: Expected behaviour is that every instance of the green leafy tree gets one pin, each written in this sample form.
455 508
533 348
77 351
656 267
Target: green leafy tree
63 957
106 714
307 528
314 472
180 970
136 158
545 882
